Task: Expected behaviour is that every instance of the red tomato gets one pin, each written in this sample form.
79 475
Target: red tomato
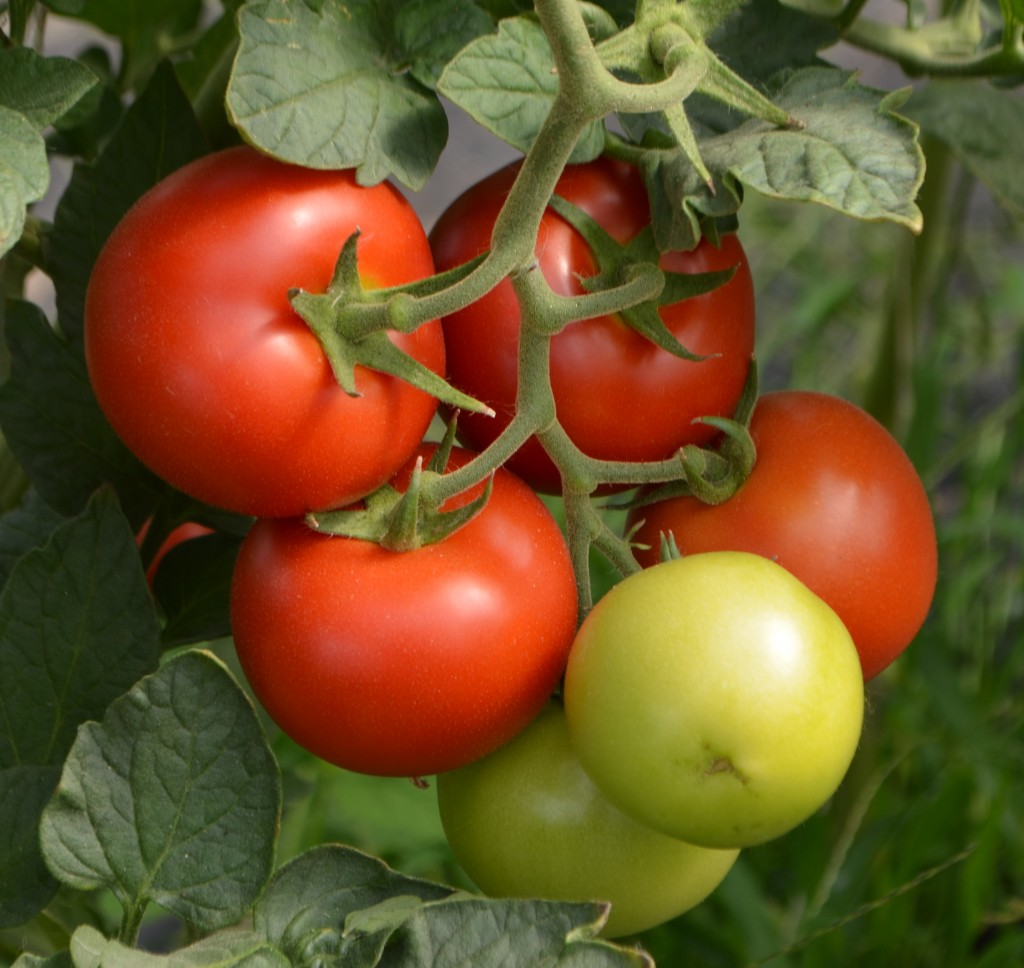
199 361
618 396
412 663
834 500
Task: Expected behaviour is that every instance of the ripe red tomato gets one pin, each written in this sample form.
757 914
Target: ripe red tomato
618 396
411 663
833 499
199 361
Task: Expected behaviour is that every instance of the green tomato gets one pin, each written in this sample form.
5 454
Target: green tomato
715 698
526 821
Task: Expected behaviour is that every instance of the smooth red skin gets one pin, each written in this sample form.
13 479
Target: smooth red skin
203 368
618 396
835 500
407 664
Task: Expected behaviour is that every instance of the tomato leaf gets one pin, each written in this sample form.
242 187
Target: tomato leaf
973 119
23 528
43 89
506 82
26 886
306 908
232 947
853 154
54 426
330 87
431 32
24 173
77 628
173 798
464 930
157 135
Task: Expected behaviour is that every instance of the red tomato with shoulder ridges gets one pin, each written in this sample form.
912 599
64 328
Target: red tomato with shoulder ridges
411 663
834 500
202 366
618 396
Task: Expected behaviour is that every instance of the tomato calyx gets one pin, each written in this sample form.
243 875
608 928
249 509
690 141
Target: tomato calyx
713 475
619 263
406 520
337 319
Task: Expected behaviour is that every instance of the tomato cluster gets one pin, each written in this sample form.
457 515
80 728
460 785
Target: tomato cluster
705 704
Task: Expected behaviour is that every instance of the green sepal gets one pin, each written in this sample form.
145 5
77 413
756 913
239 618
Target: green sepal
616 260
669 549
334 318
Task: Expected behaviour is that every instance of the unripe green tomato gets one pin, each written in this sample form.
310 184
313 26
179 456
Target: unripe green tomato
526 821
715 698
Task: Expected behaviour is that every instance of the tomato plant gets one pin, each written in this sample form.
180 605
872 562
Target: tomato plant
527 821
203 367
715 698
617 394
407 664
833 499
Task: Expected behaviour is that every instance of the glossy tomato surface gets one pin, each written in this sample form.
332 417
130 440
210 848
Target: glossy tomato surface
407 664
618 396
199 361
715 698
527 821
834 500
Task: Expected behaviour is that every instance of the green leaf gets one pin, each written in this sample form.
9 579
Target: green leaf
853 154
43 89
983 126
24 173
77 628
157 135
506 82
431 32
60 960
328 88
193 585
26 886
173 798
305 907
505 934
54 426
25 527
224 949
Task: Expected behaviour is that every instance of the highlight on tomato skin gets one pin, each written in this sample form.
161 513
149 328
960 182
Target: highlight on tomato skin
618 396
204 369
834 499
407 663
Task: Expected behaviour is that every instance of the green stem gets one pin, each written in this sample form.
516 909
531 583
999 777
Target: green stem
911 50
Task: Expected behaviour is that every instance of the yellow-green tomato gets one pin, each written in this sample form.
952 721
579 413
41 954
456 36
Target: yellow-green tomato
715 698
526 821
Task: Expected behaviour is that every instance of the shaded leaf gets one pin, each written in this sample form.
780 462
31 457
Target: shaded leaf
431 32
506 82
328 88
77 629
26 886
23 528
53 424
173 798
